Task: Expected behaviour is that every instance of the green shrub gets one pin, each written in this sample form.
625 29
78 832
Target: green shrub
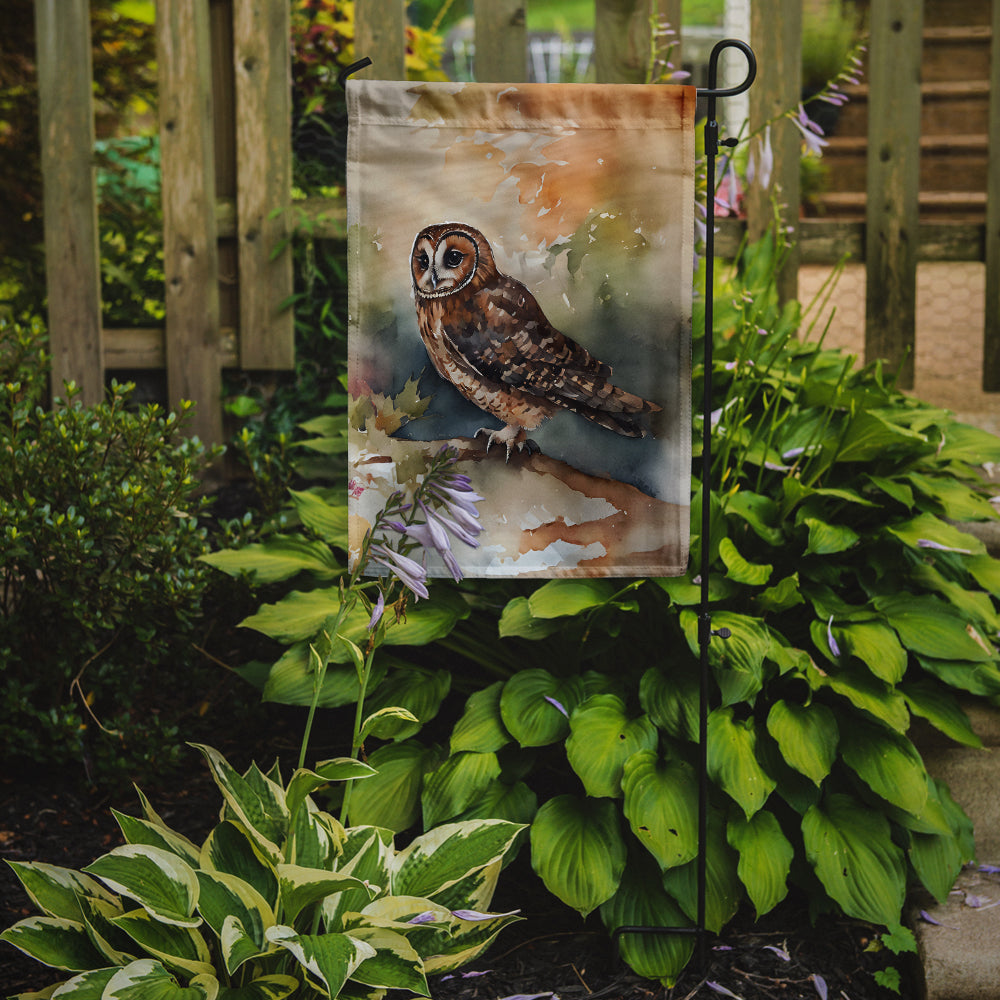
99 539
855 604
280 899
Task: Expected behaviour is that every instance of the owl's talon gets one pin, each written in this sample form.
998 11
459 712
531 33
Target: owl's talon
511 437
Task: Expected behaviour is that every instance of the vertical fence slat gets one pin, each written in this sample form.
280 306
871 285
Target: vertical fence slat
501 41
892 215
261 58
991 332
72 257
776 34
621 40
380 34
190 253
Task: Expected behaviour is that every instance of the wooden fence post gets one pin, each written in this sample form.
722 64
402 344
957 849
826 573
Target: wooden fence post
501 41
190 251
621 40
380 34
72 255
892 214
776 35
262 61
991 332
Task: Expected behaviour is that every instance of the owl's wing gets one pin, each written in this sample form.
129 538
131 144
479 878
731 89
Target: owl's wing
509 340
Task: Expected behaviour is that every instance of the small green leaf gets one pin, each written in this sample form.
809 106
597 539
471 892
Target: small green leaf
481 727
932 628
936 704
391 798
279 558
535 706
670 698
456 784
888 763
807 736
739 569
765 858
828 539
560 598
327 520
732 760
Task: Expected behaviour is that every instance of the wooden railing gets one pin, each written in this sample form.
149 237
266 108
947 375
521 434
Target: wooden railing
226 160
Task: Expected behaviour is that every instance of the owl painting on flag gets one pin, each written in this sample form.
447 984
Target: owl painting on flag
520 291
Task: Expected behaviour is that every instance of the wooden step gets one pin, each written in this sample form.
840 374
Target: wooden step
956 53
940 13
957 206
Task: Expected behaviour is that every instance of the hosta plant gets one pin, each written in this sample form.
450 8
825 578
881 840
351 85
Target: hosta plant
279 900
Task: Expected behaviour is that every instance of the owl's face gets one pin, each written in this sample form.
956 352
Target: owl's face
446 258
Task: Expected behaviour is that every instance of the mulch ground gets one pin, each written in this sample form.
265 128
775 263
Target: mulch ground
550 953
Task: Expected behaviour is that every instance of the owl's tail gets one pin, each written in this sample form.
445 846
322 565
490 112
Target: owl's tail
594 397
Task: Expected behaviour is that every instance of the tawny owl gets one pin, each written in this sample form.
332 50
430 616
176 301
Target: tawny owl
486 334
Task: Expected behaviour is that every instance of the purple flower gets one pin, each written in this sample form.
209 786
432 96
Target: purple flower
780 952
820 983
831 642
811 132
719 988
409 571
557 704
377 611
927 543
427 917
475 915
760 166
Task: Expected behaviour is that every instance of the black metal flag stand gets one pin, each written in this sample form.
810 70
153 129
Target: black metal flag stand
705 631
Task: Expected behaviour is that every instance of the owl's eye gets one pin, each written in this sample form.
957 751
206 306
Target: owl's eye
423 261
453 258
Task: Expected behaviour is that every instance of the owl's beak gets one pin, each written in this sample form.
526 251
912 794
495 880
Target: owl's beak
434 280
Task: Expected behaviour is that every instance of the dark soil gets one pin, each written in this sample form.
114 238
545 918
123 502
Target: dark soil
551 952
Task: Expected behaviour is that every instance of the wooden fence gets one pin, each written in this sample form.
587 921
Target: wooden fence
226 161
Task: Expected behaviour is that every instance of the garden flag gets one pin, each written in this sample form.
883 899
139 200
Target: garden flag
520 291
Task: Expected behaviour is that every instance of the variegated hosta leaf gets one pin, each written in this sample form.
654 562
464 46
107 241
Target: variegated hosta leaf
158 880
315 838
329 959
481 727
304 782
732 760
441 857
116 946
367 853
177 947
141 831
56 891
86 986
807 736
54 941
642 902
475 891
147 979
851 849
456 784
225 897
230 849
273 987
256 801
468 939
602 737
300 887
395 964
661 800
765 858
578 851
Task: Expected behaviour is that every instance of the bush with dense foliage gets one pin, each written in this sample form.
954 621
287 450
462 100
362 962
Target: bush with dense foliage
280 899
855 604
101 584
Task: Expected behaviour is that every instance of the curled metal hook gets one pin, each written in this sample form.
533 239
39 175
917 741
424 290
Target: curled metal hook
353 68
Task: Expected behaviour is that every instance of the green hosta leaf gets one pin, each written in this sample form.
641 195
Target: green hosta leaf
738 661
931 628
869 436
738 569
975 605
147 979
758 511
438 859
765 858
937 859
330 959
893 488
230 849
732 760
578 851
395 964
828 539
560 598
783 595
941 709
602 738
56 891
670 698
888 763
684 592
928 528
661 798
417 690
517 620
535 706
391 798
866 692
260 809
976 678
142 831
957 501
327 520
516 803
965 443
291 680
807 736
54 941
456 784
850 847
387 723
180 948
876 646
159 881
274 987
723 889
986 572
226 898
301 887
279 558
641 901
481 728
